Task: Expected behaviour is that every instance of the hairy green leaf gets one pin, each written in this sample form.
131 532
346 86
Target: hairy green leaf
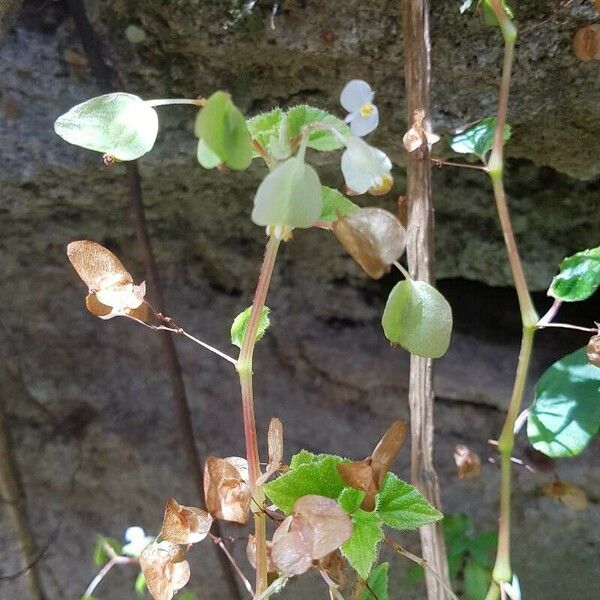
264 127
479 138
419 318
401 506
335 205
565 414
301 458
378 584
241 322
579 276
319 478
121 125
223 129
362 547
350 499
323 140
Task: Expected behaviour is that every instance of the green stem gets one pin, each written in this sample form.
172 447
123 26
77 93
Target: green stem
244 368
502 569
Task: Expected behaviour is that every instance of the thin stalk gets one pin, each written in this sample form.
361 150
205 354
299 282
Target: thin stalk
567 326
502 569
244 368
170 101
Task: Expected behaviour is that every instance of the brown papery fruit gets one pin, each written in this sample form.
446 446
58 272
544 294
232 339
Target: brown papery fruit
165 569
373 237
467 462
593 350
184 524
569 494
275 448
586 43
251 554
226 491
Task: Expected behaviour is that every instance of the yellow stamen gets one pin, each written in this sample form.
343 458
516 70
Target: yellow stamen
383 184
366 109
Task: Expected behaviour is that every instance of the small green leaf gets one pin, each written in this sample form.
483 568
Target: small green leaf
223 129
419 318
565 414
402 506
478 139
350 499
362 547
299 116
489 16
579 276
319 478
241 322
187 596
378 584
101 557
335 205
206 157
477 580
303 457
289 195
265 127
140 585
121 125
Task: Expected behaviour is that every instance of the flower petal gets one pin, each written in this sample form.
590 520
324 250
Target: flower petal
361 126
356 93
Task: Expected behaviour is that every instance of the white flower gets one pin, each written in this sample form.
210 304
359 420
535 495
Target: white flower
513 589
365 168
356 98
137 540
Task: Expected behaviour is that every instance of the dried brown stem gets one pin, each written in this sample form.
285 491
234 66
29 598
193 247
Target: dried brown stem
417 49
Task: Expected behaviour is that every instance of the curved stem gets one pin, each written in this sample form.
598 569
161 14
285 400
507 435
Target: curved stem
244 368
169 101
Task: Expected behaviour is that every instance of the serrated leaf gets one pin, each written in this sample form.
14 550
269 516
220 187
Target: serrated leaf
378 584
121 125
479 138
419 318
319 478
401 506
241 322
140 585
223 129
565 414
100 556
301 458
335 205
350 499
289 195
477 580
264 127
206 157
302 115
362 547
579 276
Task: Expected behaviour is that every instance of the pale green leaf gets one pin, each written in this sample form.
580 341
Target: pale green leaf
419 318
300 116
223 129
241 322
478 138
121 125
579 276
378 584
401 506
362 547
335 205
206 157
319 478
489 16
350 499
565 414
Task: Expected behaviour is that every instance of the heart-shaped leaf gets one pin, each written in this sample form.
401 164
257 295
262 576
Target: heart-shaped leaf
479 138
579 276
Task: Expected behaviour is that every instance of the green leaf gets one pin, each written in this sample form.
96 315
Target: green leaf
579 276
456 526
419 318
335 205
480 546
489 16
264 127
299 116
362 547
350 499
378 584
121 125
477 580
478 139
565 414
223 129
401 506
303 457
140 585
289 195
320 478
241 322
101 557
206 157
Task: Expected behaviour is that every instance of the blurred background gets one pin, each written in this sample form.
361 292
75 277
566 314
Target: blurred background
89 403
